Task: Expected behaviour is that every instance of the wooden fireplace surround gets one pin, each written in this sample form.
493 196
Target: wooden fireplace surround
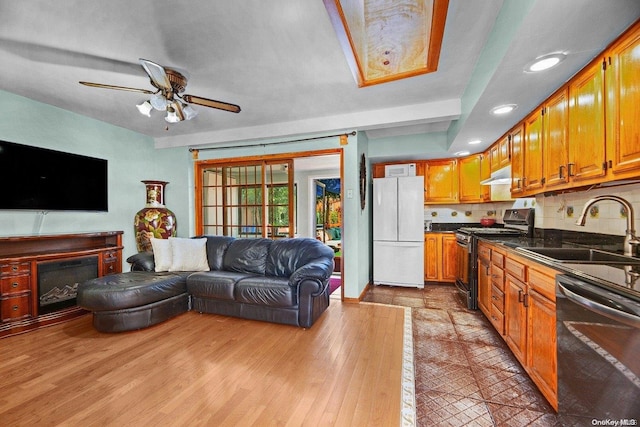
19 257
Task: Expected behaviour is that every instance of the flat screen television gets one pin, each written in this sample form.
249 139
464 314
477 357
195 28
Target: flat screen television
33 178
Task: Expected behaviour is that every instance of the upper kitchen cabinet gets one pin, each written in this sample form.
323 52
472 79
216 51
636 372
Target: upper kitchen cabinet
517 160
555 147
622 63
500 153
441 181
587 126
470 171
532 179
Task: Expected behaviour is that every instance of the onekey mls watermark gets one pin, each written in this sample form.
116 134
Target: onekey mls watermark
613 422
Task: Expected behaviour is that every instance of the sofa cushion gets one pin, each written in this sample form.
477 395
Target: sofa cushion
267 291
288 255
162 254
217 285
132 289
247 256
188 254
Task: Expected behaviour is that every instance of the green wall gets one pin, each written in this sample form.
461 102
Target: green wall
131 158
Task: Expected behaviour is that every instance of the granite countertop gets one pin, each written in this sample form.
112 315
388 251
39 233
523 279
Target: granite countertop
622 279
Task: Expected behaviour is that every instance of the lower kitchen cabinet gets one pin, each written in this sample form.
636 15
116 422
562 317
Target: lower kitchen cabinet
527 321
440 257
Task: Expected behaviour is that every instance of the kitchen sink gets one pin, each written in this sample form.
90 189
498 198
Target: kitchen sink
581 255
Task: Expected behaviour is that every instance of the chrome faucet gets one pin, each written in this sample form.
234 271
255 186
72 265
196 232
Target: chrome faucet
630 238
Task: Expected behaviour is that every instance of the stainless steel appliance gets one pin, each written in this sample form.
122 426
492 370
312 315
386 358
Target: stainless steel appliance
517 222
598 335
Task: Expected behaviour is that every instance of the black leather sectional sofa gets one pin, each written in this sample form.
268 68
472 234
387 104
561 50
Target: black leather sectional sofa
282 281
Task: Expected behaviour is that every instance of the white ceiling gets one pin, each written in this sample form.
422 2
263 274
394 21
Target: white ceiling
281 62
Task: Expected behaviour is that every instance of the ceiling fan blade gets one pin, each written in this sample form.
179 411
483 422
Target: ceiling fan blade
211 103
130 89
157 74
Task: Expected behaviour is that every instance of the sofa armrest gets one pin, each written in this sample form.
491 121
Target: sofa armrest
142 261
319 269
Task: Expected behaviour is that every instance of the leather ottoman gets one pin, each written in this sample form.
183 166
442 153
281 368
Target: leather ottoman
134 300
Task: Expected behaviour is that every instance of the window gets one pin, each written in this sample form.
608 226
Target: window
246 199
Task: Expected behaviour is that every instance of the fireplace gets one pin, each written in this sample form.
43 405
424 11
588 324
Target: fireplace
58 281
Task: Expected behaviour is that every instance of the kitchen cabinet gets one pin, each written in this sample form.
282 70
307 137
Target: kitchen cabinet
533 169
484 278
517 160
440 257
485 173
622 73
556 143
530 321
541 324
441 181
587 126
470 175
497 290
500 153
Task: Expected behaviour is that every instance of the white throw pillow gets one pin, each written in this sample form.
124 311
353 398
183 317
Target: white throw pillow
162 254
189 254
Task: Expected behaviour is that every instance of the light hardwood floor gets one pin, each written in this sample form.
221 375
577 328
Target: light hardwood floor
201 369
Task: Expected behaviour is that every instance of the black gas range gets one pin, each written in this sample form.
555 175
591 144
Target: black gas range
517 223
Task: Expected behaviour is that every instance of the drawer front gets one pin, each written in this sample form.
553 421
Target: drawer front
15 308
545 285
484 252
497 277
497 258
15 268
516 269
497 298
15 284
497 319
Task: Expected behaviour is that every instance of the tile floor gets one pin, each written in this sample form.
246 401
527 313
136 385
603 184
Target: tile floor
465 374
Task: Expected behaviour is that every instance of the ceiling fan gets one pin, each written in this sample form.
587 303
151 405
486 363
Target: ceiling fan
170 83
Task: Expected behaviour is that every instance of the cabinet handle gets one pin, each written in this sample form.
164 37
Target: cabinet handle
570 167
15 307
561 172
524 182
14 285
14 268
520 296
525 300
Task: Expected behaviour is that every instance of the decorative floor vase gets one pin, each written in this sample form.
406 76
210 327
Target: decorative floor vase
154 220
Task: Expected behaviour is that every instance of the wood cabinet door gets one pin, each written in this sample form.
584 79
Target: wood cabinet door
431 257
623 105
504 148
555 147
517 160
470 176
485 173
449 258
441 181
541 351
532 152
484 286
515 317
587 124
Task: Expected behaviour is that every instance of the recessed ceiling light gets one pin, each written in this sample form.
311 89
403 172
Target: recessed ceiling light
545 62
474 142
461 153
503 109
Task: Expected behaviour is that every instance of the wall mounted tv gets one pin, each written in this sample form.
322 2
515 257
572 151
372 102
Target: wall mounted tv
33 178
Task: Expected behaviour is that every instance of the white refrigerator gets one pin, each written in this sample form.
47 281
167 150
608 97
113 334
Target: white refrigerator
398 231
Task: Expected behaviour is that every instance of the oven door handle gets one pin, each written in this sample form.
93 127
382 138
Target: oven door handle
613 308
462 244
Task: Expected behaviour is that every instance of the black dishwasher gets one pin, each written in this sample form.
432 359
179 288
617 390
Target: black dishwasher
598 335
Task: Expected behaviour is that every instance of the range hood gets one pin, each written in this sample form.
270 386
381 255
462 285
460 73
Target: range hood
499 177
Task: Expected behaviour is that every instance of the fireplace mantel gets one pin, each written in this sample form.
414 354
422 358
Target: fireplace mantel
19 259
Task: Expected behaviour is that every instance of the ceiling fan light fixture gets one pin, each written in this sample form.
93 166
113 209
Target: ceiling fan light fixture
172 117
145 108
189 112
158 102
